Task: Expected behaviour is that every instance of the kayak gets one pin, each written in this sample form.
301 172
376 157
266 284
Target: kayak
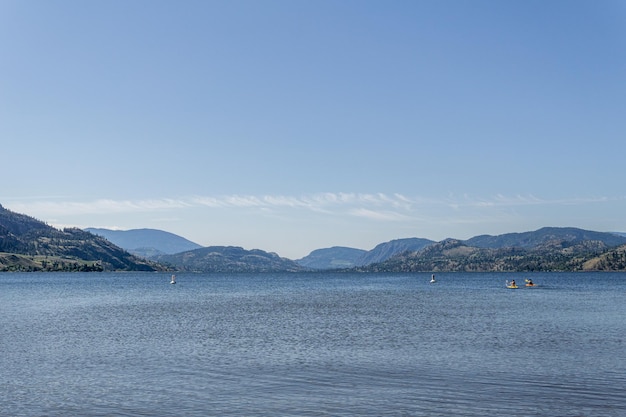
512 286
531 285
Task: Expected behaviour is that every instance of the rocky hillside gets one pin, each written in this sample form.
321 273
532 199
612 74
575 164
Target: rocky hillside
386 250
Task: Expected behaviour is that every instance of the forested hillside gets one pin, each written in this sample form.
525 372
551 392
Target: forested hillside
27 244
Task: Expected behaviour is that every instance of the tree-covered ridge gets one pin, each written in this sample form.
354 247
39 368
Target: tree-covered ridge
36 246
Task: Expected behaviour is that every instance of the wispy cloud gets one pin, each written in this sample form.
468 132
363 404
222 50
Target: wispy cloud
376 206
58 208
384 215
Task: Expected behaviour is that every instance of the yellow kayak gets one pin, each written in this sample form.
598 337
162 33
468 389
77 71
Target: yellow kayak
512 286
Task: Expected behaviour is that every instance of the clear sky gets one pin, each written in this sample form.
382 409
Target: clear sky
293 125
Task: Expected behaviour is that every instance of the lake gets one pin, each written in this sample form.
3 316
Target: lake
318 344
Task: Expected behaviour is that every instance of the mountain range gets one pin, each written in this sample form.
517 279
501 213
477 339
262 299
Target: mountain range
27 244
549 248
554 249
341 257
545 249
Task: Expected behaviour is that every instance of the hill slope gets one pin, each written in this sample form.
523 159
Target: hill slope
229 259
146 242
613 260
28 244
541 236
332 258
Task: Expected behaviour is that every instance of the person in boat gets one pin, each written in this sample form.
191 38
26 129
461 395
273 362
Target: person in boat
432 278
513 283
530 282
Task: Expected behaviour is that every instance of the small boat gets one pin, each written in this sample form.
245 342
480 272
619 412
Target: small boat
511 285
529 283
432 279
173 281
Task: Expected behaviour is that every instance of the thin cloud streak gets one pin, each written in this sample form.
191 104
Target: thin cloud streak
55 208
379 215
378 206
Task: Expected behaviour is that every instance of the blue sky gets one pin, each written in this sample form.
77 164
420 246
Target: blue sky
294 125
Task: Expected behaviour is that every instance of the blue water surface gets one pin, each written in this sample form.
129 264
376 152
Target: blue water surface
318 344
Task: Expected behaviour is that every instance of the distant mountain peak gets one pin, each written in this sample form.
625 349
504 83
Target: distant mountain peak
146 242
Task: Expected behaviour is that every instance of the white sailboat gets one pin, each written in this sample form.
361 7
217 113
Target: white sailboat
173 281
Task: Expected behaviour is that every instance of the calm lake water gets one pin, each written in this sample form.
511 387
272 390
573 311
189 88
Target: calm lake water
312 345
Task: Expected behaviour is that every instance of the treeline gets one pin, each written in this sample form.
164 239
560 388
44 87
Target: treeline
22 263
